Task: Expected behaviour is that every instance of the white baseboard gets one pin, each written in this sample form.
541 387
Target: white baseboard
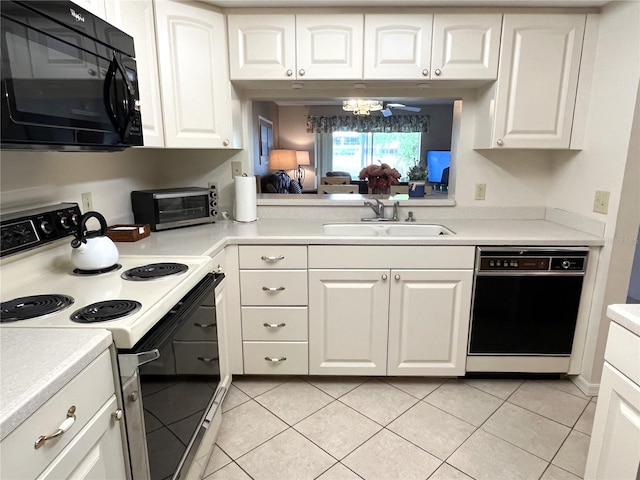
590 389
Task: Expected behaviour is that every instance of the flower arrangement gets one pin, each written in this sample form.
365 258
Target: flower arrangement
418 171
380 177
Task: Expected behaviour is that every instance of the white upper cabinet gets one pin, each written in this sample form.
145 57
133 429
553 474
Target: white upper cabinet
397 46
136 18
329 46
466 46
533 101
262 46
194 75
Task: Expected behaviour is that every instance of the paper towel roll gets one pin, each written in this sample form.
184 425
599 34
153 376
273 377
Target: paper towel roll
245 205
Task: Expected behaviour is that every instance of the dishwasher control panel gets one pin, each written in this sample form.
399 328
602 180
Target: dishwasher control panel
524 260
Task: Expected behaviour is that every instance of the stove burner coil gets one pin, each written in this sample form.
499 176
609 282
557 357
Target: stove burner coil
154 270
105 311
24 308
79 271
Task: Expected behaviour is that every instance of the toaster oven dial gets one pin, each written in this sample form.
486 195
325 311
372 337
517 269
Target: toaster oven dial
64 222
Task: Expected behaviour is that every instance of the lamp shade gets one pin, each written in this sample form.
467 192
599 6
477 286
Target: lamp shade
282 160
302 157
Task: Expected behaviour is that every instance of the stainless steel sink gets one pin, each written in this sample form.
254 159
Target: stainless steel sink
386 229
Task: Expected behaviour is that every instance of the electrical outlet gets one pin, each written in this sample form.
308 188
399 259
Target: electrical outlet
601 202
87 202
481 191
236 169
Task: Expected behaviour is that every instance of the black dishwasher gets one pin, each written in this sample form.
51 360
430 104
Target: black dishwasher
526 301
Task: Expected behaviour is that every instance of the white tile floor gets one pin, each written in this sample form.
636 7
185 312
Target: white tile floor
330 428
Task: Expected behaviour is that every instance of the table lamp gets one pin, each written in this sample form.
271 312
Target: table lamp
282 160
302 157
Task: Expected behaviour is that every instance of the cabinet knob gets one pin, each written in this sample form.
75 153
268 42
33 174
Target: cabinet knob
438 71
219 269
289 73
397 277
226 142
425 72
384 276
301 72
500 142
117 415
133 397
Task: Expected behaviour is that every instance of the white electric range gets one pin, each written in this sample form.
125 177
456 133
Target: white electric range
47 270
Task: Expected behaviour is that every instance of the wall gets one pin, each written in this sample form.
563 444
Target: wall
609 161
44 178
634 282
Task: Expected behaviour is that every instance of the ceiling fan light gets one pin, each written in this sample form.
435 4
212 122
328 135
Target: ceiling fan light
362 107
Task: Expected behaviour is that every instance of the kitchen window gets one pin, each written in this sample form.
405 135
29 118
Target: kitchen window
352 151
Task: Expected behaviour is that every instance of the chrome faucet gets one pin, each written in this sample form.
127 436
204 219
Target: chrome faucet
378 208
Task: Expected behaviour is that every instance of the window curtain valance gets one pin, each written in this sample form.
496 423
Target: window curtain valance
363 124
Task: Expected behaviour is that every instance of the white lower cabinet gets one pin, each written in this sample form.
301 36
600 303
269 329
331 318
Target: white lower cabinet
389 321
614 451
273 292
91 448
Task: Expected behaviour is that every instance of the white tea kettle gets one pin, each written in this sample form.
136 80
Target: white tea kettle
93 250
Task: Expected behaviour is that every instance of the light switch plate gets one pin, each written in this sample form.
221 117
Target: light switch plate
481 191
601 202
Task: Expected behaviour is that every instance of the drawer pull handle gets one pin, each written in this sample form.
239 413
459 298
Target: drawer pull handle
207 360
272 259
274 325
275 360
273 289
205 325
64 426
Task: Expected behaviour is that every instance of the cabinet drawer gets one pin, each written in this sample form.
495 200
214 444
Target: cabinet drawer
282 323
200 327
272 257
294 358
87 392
196 358
288 287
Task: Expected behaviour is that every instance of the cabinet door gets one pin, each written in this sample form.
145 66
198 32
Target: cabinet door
466 46
397 46
194 77
348 311
429 321
537 80
262 46
136 18
613 452
329 47
97 452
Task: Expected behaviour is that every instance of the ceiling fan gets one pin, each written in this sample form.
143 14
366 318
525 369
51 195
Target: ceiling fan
387 112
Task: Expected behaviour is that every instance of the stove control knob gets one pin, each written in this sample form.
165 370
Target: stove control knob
565 264
65 222
46 227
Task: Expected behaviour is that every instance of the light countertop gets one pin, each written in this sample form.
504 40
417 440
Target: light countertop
626 315
37 363
211 238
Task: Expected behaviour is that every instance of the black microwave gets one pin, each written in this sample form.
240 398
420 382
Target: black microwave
174 207
69 80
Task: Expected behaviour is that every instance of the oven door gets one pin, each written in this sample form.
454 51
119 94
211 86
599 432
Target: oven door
62 88
170 396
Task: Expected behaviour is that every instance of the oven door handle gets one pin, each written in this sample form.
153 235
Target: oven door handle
129 362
